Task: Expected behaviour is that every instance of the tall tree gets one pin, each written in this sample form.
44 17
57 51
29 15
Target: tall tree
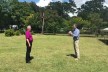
63 8
5 12
20 13
93 6
96 22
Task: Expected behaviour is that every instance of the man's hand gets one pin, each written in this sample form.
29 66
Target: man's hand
28 42
70 32
29 45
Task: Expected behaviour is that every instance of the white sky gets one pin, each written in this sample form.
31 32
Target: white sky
43 3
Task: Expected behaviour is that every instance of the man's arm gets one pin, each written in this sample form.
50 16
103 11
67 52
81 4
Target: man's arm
28 42
27 38
70 33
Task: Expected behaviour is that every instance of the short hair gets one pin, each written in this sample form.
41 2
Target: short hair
28 27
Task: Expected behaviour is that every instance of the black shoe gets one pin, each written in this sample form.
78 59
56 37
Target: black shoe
28 62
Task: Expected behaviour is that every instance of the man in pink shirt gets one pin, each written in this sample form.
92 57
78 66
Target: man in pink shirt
29 40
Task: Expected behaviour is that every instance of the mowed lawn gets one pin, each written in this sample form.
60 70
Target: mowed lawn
51 54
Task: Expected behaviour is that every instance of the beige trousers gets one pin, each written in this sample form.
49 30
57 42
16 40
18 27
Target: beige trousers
76 48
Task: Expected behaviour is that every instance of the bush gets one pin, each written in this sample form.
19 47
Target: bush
32 33
9 32
22 31
17 33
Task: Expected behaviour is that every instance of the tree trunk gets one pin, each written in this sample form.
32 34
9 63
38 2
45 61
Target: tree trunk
43 23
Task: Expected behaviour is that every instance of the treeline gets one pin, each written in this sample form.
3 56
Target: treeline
54 18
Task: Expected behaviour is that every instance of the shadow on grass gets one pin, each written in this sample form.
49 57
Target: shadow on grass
31 57
104 41
72 55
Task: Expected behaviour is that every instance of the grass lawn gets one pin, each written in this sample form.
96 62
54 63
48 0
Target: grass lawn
50 54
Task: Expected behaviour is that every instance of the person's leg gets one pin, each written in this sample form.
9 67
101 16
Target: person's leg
74 49
27 53
30 50
77 48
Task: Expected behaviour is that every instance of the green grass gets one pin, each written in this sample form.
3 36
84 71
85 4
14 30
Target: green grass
50 54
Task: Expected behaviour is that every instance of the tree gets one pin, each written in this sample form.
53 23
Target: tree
80 22
104 14
93 6
53 21
34 7
21 12
5 12
96 22
63 8
96 13
36 22
42 11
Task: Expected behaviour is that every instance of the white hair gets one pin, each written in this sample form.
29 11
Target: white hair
28 27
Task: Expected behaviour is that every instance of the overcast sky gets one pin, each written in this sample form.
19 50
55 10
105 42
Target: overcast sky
43 3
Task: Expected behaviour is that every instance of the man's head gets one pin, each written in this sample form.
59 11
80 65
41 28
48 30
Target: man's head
74 26
29 27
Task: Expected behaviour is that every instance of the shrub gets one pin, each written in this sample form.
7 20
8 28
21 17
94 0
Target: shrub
17 33
9 32
32 33
22 31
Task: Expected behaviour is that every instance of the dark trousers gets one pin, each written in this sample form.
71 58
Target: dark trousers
28 51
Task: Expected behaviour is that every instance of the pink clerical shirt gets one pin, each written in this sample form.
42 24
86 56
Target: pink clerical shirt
29 36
